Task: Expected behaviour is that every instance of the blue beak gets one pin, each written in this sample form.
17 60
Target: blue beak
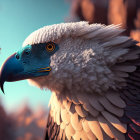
12 70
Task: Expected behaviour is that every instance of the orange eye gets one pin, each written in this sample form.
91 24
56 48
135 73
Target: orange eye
50 47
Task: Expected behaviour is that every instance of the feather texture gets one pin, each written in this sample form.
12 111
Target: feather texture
115 99
104 124
57 31
95 128
95 82
110 107
75 122
115 122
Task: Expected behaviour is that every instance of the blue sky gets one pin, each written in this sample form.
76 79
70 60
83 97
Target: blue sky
18 18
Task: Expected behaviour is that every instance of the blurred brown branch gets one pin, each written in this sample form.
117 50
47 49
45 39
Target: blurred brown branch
124 12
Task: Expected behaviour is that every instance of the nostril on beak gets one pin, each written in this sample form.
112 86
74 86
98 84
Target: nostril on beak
17 56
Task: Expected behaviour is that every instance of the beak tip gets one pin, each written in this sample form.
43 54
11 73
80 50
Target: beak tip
2 90
1 86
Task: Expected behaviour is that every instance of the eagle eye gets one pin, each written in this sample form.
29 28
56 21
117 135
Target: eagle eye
50 46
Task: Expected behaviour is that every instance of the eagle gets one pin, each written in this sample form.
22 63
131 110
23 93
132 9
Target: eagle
93 72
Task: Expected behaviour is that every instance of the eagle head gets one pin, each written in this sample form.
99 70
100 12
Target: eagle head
74 57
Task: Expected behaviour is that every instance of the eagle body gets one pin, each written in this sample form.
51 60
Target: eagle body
94 77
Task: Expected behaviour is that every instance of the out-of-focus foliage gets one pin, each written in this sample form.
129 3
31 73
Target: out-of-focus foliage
124 12
30 125
7 125
24 124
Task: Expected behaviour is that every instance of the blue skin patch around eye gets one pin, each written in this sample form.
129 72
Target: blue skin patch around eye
29 62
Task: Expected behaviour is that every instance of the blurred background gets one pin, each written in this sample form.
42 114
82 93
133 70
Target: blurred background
23 108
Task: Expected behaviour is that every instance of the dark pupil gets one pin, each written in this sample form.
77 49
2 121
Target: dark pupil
50 47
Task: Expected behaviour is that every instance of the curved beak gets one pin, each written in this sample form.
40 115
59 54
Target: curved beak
12 70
